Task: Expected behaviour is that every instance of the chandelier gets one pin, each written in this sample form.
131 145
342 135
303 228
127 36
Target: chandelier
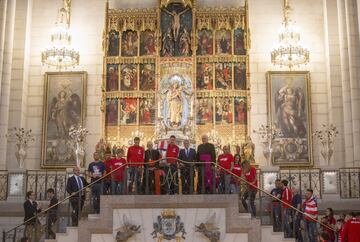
60 54
289 52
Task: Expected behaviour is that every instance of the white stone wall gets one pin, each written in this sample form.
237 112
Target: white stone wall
87 22
308 15
329 29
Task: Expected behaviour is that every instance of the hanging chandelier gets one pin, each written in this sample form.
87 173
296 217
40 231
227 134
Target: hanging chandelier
60 54
289 52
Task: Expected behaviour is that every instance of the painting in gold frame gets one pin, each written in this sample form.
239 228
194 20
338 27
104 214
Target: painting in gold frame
289 109
64 107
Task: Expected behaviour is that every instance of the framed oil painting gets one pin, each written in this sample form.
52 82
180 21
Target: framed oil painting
240 105
204 76
112 110
289 110
223 76
204 111
223 111
128 111
147 111
64 107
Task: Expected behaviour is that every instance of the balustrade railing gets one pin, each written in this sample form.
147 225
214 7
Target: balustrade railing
349 180
163 178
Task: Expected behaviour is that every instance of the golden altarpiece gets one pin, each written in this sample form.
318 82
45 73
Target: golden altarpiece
177 69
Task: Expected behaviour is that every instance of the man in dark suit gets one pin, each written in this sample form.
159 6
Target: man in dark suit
52 213
31 208
187 169
74 187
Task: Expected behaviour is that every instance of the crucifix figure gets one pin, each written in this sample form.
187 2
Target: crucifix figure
176 21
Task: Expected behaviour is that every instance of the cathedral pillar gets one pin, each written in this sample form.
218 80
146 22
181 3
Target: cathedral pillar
6 77
3 5
349 56
334 92
19 73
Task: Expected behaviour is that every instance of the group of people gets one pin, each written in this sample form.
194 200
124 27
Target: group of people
302 223
182 171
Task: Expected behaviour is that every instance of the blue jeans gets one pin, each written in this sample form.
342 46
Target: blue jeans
117 188
96 191
287 222
135 174
251 194
276 216
311 230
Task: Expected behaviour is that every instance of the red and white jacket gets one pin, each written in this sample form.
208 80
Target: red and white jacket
311 209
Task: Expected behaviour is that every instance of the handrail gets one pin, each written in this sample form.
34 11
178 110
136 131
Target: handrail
152 163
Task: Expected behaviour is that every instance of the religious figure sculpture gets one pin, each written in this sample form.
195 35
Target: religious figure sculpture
248 149
168 44
209 230
176 21
126 231
177 92
175 104
185 43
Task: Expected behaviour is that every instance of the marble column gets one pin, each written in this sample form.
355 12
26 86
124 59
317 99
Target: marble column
5 79
349 56
334 94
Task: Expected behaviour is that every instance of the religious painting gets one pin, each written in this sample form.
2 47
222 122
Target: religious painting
289 111
240 76
129 45
240 109
239 43
64 107
112 108
223 78
147 43
147 111
205 42
112 77
204 76
223 42
128 77
176 28
128 111
204 113
223 111
147 77
113 47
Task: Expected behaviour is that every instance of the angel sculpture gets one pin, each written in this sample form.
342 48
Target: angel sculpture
126 231
209 230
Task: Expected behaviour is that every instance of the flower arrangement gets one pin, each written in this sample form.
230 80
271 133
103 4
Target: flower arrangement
78 135
327 134
267 132
21 136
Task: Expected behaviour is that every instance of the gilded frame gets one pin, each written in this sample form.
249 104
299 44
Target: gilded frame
295 146
55 83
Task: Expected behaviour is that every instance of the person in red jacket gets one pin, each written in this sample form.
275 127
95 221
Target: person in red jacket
172 153
118 164
286 197
135 160
311 213
351 230
250 176
226 163
235 181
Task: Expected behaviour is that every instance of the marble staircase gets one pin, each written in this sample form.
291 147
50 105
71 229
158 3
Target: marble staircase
143 210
